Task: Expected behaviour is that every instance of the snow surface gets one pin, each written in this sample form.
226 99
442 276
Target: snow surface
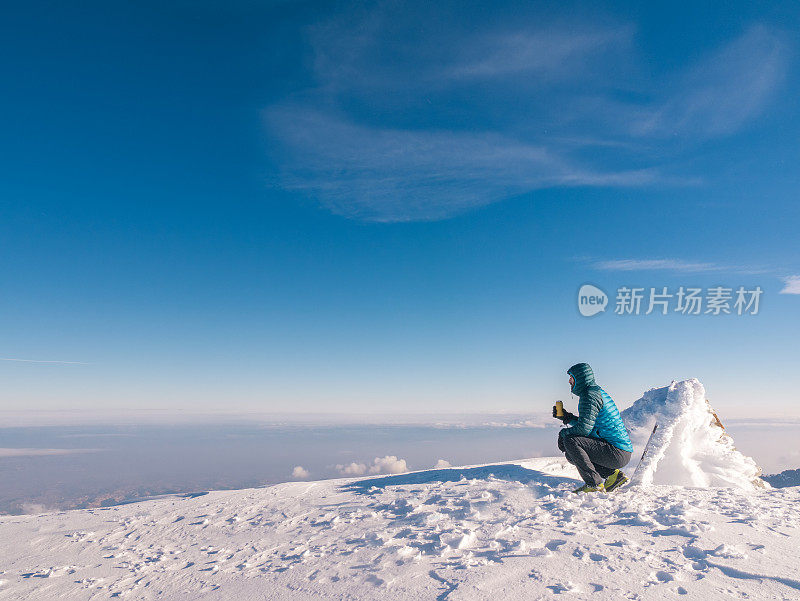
509 530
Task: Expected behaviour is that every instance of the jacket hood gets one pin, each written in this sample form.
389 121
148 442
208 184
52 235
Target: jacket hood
584 377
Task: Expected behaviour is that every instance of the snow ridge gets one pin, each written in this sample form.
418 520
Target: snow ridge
690 446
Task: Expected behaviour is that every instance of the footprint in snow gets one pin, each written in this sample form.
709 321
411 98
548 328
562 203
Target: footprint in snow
692 552
569 587
553 545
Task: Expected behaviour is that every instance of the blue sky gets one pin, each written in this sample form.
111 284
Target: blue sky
293 206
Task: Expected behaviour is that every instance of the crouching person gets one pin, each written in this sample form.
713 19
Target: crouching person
595 441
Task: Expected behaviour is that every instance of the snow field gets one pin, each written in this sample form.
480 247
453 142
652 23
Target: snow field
510 530
700 525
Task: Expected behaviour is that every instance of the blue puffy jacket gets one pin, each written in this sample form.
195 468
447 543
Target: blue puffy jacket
598 416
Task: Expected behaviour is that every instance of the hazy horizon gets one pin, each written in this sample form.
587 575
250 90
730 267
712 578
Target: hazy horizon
72 466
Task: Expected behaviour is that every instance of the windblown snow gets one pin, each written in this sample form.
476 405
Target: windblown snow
510 530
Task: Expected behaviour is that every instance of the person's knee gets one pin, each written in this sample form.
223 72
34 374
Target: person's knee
570 444
572 449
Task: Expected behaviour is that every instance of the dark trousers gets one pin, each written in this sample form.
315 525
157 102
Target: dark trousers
595 459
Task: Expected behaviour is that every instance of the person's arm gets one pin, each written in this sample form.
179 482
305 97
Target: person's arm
588 408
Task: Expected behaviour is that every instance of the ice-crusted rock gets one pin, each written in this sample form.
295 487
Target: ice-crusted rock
690 446
784 479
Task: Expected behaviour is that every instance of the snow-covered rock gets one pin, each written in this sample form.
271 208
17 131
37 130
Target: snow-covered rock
784 479
690 447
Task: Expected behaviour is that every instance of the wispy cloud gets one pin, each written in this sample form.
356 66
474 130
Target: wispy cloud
377 48
791 285
676 265
722 92
655 264
44 361
550 53
383 174
404 123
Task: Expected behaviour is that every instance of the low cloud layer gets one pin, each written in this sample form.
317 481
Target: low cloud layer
300 473
29 452
43 361
389 464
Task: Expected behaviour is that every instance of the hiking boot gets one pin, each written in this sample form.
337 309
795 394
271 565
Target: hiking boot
590 488
615 480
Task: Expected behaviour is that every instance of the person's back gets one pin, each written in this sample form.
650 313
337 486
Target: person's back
609 425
